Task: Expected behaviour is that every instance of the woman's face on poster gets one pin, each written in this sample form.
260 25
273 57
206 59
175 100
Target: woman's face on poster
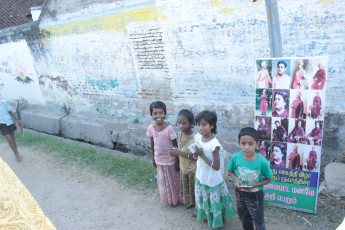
263 121
279 102
317 125
277 154
299 123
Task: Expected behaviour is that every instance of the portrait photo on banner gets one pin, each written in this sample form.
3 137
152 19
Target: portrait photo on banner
263 126
263 102
280 127
318 78
312 158
281 73
278 154
264 149
298 103
296 131
314 132
300 72
281 102
295 156
263 74
316 104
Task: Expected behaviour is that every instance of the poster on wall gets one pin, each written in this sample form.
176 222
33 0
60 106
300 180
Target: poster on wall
18 77
289 116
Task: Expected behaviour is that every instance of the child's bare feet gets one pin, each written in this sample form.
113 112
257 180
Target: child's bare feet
19 158
190 206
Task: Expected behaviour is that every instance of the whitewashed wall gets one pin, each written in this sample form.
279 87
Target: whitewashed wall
115 58
316 28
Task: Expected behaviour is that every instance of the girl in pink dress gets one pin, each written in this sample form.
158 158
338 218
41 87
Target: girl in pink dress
163 139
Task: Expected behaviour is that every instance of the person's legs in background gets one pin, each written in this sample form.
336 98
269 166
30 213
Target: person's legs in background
13 144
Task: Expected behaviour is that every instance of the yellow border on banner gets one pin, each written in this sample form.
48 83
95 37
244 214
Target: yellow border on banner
18 208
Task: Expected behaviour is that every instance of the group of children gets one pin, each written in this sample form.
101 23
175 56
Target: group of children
188 168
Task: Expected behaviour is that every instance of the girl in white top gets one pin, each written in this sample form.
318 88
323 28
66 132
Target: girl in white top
213 201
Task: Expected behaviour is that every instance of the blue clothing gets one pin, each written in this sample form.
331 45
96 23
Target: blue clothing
5 117
250 172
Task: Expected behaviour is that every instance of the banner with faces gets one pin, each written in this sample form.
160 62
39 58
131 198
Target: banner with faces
289 116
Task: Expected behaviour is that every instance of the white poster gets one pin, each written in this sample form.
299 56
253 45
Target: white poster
18 77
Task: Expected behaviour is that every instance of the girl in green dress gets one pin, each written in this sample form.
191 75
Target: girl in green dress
213 201
185 138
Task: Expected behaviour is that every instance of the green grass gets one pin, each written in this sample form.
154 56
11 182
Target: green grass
131 172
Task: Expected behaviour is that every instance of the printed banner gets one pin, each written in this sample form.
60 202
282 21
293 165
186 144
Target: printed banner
289 116
19 209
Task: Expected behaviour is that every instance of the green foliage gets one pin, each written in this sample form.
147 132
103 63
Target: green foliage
136 120
129 171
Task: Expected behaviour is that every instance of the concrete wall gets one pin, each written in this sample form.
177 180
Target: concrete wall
110 59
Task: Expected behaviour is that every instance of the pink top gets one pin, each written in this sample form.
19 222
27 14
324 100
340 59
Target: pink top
162 144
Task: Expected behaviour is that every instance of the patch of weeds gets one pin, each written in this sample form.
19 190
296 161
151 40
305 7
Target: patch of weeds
135 121
132 172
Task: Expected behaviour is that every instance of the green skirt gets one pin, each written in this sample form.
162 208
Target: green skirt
213 203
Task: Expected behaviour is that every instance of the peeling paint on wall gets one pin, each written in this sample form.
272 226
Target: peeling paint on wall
316 28
144 14
103 84
111 22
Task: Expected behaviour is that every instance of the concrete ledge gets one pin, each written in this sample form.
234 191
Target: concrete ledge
85 128
107 132
46 121
124 135
137 141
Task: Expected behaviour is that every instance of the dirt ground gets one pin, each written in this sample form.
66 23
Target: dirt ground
75 198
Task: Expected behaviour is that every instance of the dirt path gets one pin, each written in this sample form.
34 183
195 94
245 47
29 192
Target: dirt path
80 199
